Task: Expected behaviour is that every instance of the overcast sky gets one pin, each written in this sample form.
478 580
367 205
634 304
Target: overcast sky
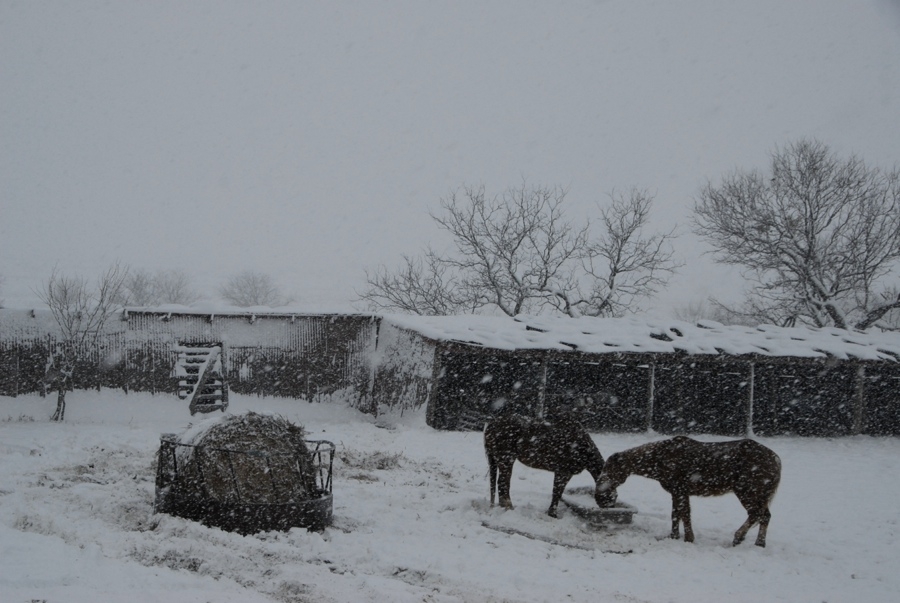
310 140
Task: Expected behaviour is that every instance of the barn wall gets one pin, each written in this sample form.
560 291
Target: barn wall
881 399
694 396
308 357
609 394
669 394
810 399
403 369
471 385
27 340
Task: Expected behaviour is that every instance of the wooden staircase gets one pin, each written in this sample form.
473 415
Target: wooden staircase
199 373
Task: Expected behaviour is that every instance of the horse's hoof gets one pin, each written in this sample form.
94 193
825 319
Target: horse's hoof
552 514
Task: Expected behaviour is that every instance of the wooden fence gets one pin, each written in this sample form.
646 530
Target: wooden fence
308 357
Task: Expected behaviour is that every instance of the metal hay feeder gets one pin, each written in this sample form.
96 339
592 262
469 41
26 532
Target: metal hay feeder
246 491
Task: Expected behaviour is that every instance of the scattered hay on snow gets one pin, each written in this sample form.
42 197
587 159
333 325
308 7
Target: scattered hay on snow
381 461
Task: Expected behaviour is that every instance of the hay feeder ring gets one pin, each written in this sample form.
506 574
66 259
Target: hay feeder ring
246 474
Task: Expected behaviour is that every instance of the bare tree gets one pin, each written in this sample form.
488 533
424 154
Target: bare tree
252 288
891 320
711 309
517 252
818 237
625 264
174 287
144 288
81 311
419 286
138 288
693 311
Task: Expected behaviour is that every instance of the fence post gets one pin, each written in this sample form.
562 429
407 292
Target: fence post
652 396
750 401
542 392
859 401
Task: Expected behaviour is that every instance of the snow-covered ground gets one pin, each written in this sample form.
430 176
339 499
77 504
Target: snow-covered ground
413 523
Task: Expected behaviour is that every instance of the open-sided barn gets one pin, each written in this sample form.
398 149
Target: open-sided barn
627 374
633 374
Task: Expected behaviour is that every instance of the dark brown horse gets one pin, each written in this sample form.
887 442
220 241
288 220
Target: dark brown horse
564 448
686 467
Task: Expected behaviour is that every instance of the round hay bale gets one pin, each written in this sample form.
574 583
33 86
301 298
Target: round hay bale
250 458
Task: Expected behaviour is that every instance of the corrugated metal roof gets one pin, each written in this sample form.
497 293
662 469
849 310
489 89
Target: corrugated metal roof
637 335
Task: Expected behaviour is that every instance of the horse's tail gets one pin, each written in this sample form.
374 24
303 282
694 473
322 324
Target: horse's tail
777 480
493 468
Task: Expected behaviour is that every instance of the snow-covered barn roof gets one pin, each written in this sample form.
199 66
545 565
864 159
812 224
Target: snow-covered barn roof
637 335
585 334
240 311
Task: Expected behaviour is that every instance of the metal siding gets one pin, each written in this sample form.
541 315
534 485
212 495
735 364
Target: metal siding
310 357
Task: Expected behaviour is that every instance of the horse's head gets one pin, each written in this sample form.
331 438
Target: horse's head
605 493
611 478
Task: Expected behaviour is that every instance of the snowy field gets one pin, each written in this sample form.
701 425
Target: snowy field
413 523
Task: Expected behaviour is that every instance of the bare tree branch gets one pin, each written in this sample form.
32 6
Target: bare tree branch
174 287
816 237
138 288
144 288
81 312
252 288
420 286
625 265
517 252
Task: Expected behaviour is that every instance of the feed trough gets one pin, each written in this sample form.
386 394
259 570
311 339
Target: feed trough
581 501
246 473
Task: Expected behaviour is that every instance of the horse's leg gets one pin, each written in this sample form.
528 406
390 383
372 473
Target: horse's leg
681 512
742 531
686 520
559 484
506 467
763 527
754 516
676 518
492 476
